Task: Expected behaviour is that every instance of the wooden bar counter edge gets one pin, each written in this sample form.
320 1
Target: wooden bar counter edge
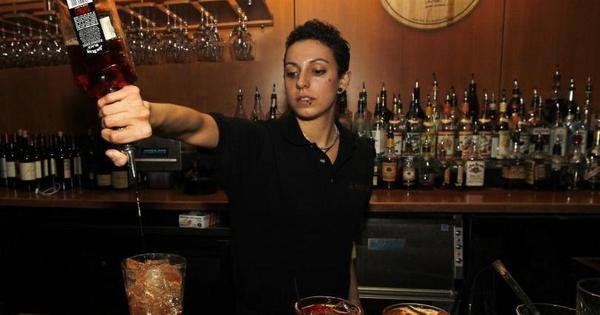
489 200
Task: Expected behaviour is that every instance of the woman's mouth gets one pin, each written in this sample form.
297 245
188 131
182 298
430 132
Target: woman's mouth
304 100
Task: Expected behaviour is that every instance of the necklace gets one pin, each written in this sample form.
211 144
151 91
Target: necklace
326 148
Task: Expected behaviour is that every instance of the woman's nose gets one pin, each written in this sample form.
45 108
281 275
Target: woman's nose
302 81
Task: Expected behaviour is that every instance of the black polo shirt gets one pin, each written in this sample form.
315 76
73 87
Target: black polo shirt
293 213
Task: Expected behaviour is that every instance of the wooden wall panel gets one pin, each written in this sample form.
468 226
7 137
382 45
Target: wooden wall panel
385 50
540 34
45 99
498 41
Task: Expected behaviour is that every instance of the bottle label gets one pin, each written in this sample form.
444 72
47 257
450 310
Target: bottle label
389 171
375 179
460 176
67 168
45 168
514 172
485 144
378 140
38 169
27 171
464 140
11 169
412 145
398 143
503 144
494 148
52 167
77 166
408 174
535 172
475 170
447 176
88 29
561 134
445 141
3 173
103 180
120 179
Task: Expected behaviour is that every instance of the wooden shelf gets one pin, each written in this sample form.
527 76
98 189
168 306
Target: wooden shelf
492 200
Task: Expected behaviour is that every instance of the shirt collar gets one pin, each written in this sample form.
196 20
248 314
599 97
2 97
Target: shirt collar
293 134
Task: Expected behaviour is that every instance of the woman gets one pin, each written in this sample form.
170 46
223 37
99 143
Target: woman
297 186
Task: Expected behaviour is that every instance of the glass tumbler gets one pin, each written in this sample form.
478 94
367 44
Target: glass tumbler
588 296
154 283
325 305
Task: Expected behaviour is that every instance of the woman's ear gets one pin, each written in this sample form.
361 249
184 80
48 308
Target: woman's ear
345 80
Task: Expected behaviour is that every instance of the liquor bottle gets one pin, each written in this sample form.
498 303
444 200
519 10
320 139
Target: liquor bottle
63 163
361 123
592 173
444 176
571 119
537 169
27 161
465 129
273 110
550 105
389 161
513 171
414 129
257 113
514 105
103 166
435 104
52 168
415 105
398 124
538 124
77 163
558 130
458 169
45 165
446 132
3 149
576 166
473 99
409 172
35 149
522 129
384 103
493 111
11 162
427 167
485 131
581 125
239 106
557 164
429 130
454 104
378 131
89 162
475 168
344 115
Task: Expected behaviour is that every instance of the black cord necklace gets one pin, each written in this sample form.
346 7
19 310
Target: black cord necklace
326 148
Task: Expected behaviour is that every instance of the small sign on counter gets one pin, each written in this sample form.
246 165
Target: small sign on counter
199 220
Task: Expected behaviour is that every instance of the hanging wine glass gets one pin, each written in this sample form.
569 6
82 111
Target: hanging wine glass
240 40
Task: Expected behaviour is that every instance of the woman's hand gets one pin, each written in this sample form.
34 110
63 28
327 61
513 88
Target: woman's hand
125 118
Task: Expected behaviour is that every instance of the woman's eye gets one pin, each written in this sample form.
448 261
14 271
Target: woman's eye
319 71
291 74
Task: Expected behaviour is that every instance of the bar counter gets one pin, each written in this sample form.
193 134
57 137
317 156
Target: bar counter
489 200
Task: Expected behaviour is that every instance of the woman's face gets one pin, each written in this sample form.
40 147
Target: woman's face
311 79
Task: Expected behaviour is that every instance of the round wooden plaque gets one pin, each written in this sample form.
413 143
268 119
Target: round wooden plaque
428 14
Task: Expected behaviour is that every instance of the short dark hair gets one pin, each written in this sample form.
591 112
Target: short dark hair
328 35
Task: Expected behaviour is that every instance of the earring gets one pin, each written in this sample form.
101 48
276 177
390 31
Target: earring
340 90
